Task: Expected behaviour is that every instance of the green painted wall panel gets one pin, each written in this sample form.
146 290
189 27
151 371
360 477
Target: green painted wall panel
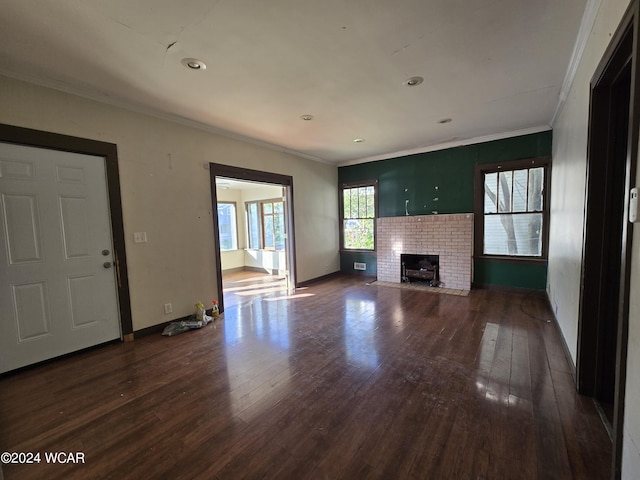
521 275
445 182
347 260
516 148
395 185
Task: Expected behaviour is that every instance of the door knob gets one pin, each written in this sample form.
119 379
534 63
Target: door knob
106 264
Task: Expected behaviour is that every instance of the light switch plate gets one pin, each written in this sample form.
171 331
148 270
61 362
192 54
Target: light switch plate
633 205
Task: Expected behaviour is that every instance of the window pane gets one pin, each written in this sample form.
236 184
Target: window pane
520 190
371 205
358 234
254 225
267 208
354 203
346 197
505 192
279 230
277 207
227 226
268 232
362 202
536 187
490 193
513 234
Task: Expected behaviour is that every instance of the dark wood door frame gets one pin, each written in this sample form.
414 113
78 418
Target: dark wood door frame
606 226
109 151
228 171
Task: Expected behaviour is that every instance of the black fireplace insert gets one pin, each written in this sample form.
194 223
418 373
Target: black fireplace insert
420 269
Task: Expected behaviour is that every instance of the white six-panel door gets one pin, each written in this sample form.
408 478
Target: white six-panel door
57 281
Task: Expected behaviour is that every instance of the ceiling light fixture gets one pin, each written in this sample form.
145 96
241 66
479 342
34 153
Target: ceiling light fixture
306 117
413 81
445 120
358 140
194 64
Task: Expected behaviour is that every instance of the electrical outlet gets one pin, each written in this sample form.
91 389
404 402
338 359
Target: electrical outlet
139 237
167 308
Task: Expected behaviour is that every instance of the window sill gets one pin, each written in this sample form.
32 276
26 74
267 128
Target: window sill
510 259
263 250
354 250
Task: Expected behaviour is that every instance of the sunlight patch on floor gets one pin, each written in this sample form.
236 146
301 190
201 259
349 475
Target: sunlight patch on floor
256 286
289 297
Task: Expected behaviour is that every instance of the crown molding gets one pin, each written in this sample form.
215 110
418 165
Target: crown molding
586 26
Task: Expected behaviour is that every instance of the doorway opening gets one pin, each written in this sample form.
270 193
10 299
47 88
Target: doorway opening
253 229
604 295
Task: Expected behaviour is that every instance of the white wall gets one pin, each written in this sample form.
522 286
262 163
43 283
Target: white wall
235 258
567 217
166 193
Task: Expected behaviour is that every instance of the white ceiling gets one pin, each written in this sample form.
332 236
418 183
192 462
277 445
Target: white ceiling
493 66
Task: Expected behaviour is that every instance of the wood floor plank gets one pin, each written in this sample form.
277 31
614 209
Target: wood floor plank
350 381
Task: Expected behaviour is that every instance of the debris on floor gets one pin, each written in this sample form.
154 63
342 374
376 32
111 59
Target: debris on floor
178 327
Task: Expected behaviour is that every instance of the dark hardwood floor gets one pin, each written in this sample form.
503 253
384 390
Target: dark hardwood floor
342 381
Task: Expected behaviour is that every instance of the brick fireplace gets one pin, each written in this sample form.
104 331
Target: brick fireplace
448 236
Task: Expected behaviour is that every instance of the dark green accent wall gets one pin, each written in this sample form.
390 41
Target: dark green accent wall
520 275
347 260
415 178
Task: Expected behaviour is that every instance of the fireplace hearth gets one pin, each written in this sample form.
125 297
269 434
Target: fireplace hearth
420 269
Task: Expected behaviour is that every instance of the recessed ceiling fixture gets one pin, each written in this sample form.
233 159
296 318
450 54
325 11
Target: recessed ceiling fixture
306 117
445 120
413 81
194 64
358 140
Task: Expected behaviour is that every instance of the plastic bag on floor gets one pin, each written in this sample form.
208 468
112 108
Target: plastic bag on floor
176 328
